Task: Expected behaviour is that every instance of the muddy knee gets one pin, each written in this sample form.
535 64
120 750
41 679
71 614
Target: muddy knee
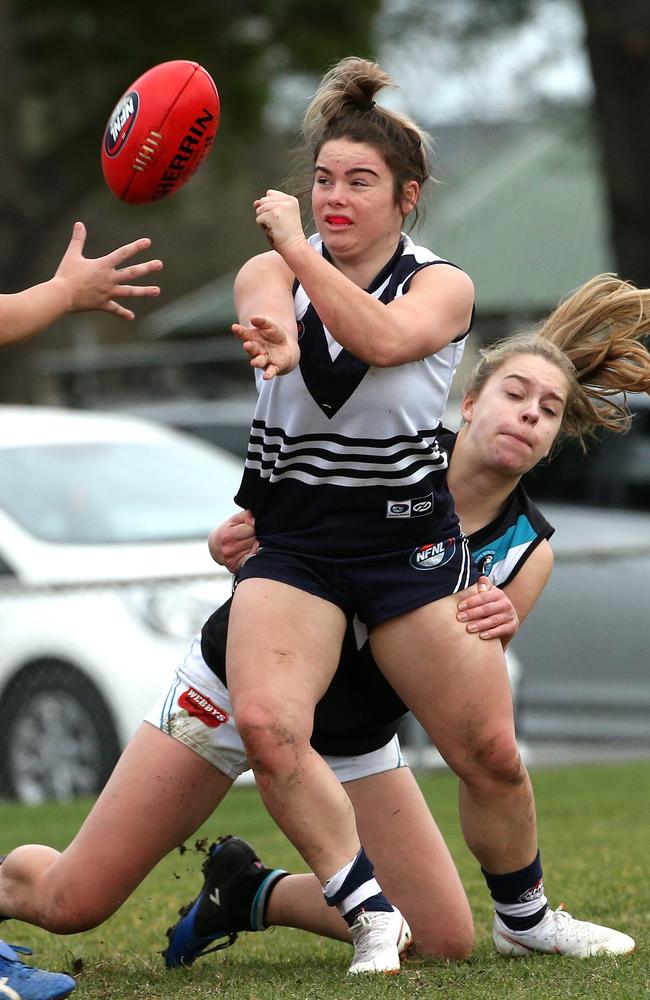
491 759
272 746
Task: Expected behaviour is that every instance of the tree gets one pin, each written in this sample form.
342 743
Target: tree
66 64
617 42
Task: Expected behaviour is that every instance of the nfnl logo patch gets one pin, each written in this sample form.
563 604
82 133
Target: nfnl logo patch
121 122
198 705
433 554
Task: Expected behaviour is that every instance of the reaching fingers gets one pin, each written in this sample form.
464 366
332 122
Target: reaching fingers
117 310
242 332
135 271
78 239
136 291
122 254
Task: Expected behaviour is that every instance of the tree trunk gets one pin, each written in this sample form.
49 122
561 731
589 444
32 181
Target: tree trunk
16 235
618 41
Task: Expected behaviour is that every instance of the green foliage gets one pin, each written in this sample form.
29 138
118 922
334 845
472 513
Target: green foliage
66 64
594 834
76 59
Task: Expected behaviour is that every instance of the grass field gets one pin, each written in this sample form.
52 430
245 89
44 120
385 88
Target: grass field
595 835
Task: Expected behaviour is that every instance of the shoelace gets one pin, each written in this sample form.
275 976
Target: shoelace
376 927
19 949
564 920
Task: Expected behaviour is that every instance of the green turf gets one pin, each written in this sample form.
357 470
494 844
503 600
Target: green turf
594 830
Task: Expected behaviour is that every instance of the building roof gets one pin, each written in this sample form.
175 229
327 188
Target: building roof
210 307
525 216
528 221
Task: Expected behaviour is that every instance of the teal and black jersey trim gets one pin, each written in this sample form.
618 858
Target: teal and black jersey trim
502 547
501 557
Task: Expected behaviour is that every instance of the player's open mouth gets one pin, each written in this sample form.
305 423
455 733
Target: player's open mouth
338 220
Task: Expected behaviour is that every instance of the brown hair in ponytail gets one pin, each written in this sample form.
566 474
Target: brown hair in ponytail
344 107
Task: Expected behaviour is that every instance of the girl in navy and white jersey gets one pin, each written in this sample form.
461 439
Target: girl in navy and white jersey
331 474
354 517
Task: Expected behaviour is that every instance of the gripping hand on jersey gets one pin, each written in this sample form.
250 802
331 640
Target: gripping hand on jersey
234 540
489 612
269 346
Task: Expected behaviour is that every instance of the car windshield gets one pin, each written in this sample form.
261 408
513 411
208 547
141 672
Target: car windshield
107 492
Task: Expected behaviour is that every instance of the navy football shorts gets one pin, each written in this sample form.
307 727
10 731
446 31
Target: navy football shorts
378 587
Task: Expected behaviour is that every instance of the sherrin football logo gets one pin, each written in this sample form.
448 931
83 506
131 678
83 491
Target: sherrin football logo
433 554
121 122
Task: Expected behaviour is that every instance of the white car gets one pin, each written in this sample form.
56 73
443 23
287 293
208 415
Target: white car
105 576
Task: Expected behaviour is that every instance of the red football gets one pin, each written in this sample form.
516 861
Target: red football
161 130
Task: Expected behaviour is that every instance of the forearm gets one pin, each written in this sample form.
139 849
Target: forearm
26 313
359 322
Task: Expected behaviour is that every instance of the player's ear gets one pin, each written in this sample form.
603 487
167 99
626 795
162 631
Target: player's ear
467 407
410 195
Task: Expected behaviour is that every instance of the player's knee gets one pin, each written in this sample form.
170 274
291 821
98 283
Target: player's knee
453 947
458 943
492 758
71 913
454 941
272 745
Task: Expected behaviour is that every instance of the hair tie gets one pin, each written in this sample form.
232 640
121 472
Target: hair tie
366 105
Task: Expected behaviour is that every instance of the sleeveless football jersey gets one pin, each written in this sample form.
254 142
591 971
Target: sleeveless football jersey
336 442
360 712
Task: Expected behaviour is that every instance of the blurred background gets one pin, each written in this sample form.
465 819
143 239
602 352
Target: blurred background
539 114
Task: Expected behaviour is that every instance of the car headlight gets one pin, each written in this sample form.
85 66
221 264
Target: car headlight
175 610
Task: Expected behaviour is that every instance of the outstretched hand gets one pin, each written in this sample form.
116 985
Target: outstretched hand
489 612
95 283
269 346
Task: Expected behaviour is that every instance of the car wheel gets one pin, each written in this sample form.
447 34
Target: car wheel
57 736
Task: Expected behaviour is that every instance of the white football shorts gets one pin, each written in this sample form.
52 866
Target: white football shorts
196 710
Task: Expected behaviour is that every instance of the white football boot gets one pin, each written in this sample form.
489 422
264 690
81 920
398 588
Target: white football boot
379 939
561 934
